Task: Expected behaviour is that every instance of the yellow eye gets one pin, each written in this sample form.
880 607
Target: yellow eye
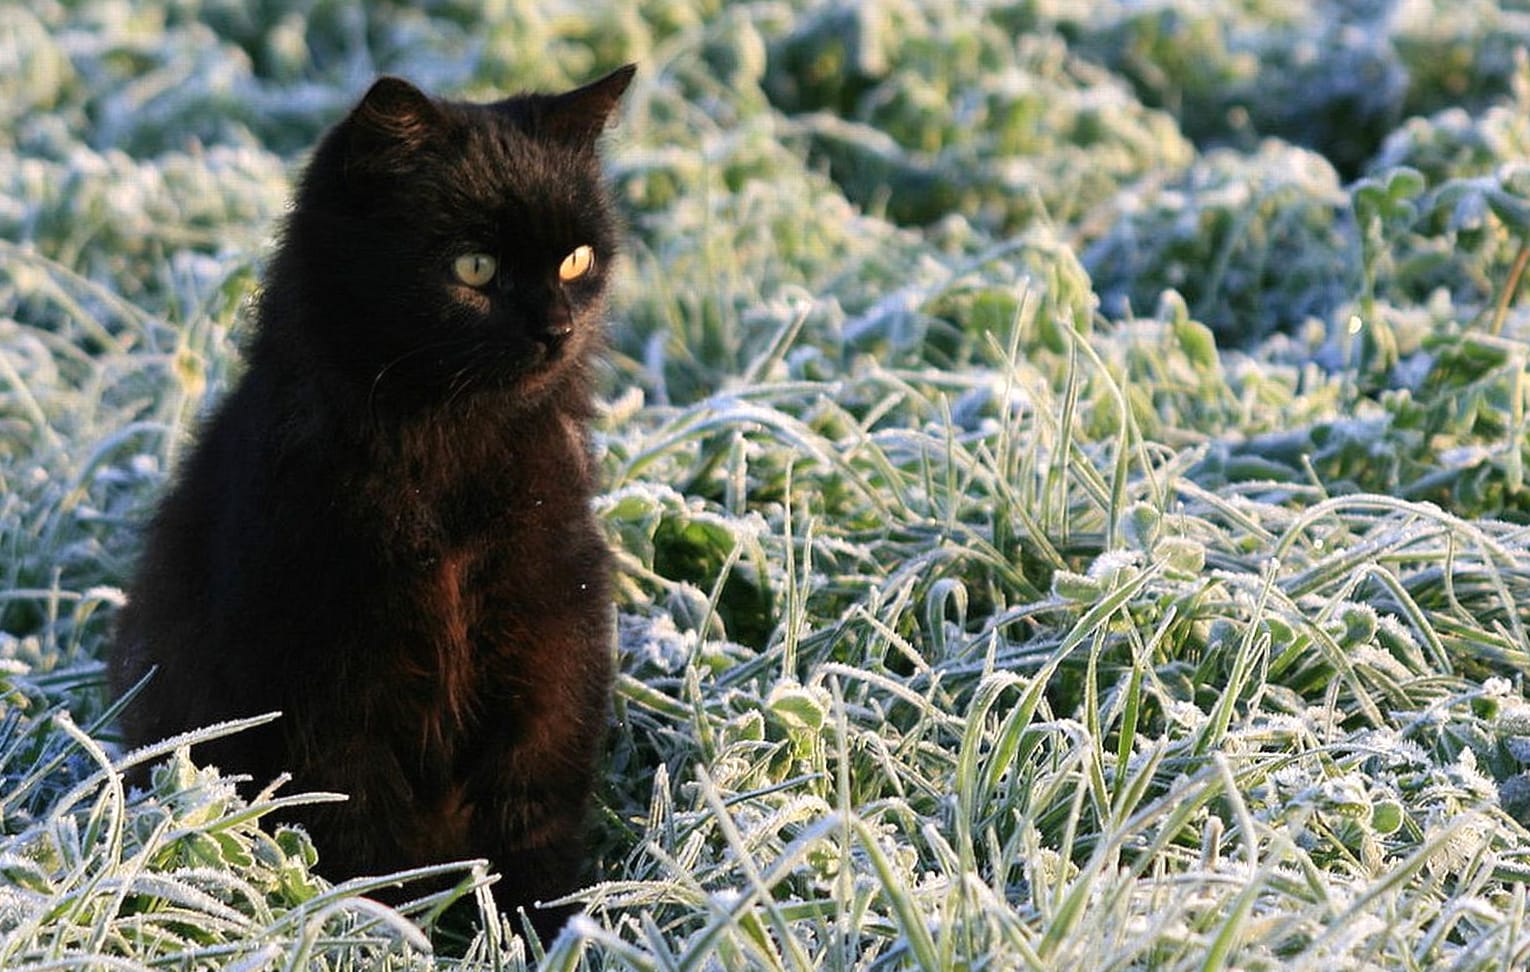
475 269
576 264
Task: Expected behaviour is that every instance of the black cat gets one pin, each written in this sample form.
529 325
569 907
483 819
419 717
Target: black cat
385 530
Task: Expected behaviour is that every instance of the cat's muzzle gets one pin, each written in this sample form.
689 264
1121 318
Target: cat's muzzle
553 337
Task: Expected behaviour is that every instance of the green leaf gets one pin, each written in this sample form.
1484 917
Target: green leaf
801 710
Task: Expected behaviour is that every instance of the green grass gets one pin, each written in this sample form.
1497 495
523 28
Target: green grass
1062 522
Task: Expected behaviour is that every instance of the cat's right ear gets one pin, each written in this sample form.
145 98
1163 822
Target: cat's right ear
580 115
393 119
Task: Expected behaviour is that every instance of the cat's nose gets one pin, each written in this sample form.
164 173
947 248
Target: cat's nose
555 329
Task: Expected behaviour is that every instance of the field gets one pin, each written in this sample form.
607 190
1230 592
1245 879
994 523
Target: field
1067 463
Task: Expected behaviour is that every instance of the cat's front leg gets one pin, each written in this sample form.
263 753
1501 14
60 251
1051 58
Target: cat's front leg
531 795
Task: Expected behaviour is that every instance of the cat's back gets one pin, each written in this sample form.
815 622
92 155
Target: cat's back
194 560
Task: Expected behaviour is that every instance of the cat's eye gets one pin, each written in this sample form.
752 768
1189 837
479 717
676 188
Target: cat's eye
475 269
576 264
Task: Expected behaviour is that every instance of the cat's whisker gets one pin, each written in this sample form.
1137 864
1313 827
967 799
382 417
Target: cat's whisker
377 379
382 373
462 379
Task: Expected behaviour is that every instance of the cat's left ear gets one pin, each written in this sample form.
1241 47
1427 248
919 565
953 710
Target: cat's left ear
582 114
394 118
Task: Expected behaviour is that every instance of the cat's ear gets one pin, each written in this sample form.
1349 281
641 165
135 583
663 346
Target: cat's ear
393 117
580 115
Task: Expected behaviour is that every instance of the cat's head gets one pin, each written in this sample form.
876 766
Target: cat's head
447 248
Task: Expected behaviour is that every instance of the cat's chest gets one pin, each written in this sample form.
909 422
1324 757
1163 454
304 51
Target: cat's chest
464 560
450 506
467 544
488 564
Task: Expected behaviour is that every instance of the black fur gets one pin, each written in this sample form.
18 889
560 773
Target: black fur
385 531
